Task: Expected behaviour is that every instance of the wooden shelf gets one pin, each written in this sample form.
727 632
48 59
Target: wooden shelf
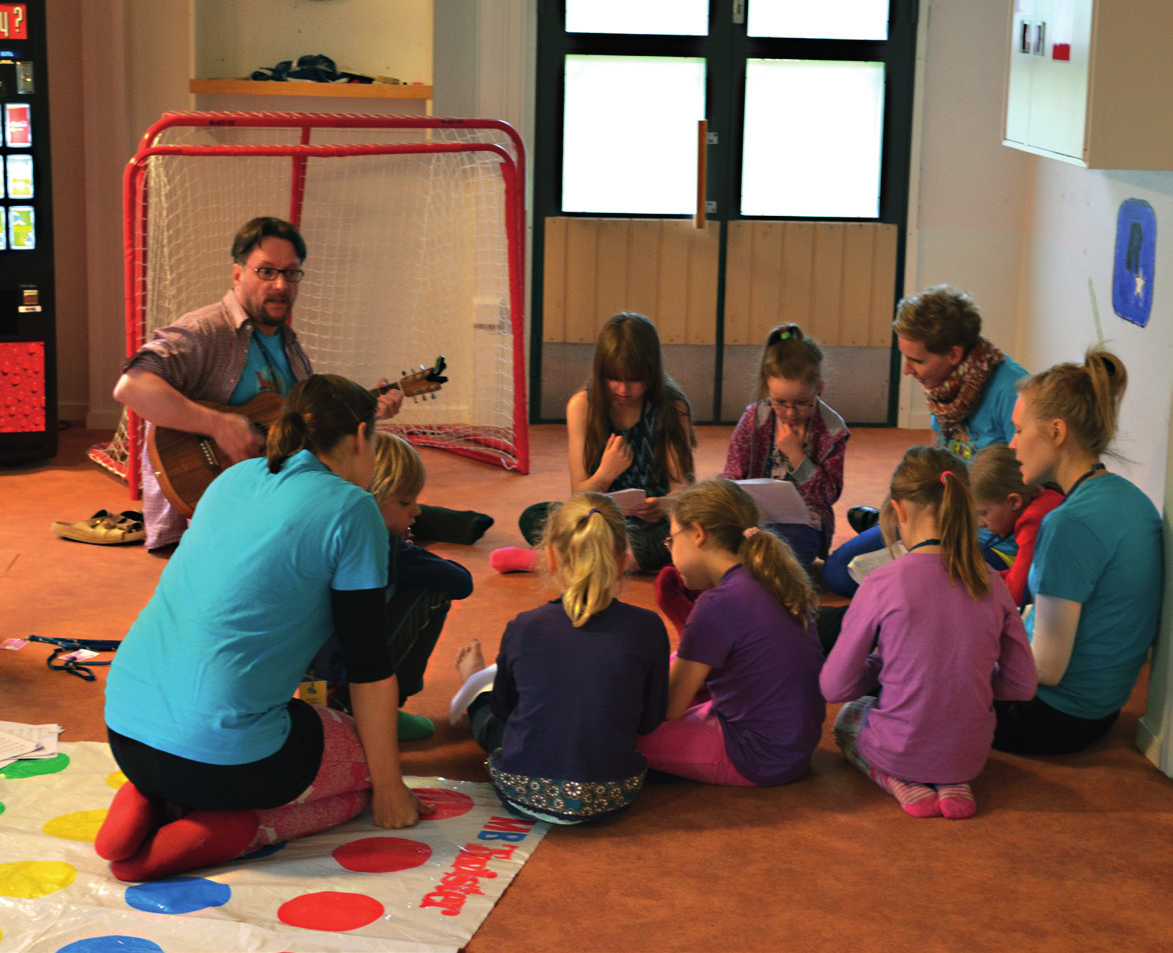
249 87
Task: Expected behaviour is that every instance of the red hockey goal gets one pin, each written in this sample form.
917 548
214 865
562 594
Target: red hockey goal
416 234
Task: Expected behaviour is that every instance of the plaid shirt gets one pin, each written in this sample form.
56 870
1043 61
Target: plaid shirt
818 475
202 355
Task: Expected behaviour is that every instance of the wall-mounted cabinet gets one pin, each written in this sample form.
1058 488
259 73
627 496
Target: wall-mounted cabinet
1088 82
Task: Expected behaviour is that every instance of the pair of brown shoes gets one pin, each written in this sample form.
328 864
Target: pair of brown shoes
105 528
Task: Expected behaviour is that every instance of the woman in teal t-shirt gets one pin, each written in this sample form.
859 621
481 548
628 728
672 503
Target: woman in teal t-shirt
1097 569
282 550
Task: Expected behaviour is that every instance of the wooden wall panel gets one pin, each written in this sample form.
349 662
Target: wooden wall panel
702 284
827 283
884 285
664 268
856 308
798 254
643 265
671 314
554 281
835 280
765 293
581 280
611 276
738 256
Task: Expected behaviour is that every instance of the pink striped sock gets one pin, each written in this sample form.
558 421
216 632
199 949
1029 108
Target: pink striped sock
957 802
919 800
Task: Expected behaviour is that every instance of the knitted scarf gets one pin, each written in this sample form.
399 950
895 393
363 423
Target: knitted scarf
956 398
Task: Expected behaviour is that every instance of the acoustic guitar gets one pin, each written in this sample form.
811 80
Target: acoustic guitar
185 463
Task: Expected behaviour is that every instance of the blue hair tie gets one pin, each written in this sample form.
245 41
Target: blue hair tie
593 511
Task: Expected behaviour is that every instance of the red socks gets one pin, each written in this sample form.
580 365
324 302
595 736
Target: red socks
673 598
201 839
132 818
513 559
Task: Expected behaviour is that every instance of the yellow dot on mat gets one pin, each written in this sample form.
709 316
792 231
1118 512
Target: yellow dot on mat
80 825
116 780
29 879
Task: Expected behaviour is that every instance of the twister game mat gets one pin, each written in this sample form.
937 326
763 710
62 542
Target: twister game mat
353 888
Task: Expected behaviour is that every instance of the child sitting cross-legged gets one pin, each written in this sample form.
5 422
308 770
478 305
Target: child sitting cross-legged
937 632
576 679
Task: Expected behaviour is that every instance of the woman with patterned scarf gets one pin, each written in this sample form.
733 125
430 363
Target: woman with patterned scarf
969 386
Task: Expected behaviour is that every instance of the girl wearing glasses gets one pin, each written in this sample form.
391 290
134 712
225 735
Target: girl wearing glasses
790 434
744 706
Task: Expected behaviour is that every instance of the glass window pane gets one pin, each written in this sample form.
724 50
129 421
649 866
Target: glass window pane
630 134
812 139
842 20
663 17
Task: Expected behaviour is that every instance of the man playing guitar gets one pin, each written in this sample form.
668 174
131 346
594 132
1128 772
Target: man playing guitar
227 353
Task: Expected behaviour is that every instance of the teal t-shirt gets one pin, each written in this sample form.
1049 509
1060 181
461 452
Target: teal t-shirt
265 371
208 668
989 422
1102 548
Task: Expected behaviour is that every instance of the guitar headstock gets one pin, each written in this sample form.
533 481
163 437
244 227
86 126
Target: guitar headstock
424 381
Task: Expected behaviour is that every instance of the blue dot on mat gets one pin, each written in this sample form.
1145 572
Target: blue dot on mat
259 853
112 944
178 895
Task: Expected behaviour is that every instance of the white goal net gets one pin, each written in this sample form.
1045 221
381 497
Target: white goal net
414 229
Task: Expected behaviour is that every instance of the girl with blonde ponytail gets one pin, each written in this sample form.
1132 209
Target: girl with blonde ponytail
744 706
1096 575
576 680
937 632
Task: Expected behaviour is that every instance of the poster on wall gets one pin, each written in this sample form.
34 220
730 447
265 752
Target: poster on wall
1136 255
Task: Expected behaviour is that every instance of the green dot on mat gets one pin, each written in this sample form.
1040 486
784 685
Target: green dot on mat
1 807
31 768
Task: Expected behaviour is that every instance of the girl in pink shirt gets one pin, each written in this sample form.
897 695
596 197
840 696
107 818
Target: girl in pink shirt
937 632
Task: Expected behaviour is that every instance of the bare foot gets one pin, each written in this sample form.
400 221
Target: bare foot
470 660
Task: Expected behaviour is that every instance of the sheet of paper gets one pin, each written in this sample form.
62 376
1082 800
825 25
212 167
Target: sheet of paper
41 739
865 563
779 501
628 500
13 746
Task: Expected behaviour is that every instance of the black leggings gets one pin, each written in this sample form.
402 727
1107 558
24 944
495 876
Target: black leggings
257 785
1034 727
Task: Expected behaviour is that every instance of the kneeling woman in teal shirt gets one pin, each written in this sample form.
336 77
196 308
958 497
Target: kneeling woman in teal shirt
1097 568
282 550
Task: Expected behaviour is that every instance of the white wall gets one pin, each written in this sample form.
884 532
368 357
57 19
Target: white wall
971 195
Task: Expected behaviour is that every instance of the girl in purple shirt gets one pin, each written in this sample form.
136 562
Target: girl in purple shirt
743 702
937 632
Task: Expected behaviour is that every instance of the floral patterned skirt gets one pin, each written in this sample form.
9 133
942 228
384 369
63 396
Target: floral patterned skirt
562 802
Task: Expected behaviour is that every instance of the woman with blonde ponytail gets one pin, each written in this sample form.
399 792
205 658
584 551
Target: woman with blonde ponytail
937 632
576 679
1097 573
744 706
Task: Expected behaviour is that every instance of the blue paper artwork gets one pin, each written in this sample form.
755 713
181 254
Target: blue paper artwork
1136 254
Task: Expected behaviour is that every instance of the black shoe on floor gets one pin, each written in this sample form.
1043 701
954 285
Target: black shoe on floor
860 518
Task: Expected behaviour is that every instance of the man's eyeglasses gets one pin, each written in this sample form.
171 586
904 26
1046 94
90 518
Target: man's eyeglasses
798 406
292 275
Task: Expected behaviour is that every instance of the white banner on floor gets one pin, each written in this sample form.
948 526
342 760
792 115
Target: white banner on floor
354 888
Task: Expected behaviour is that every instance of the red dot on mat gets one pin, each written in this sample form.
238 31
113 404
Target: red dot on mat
447 803
330 910
382 855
